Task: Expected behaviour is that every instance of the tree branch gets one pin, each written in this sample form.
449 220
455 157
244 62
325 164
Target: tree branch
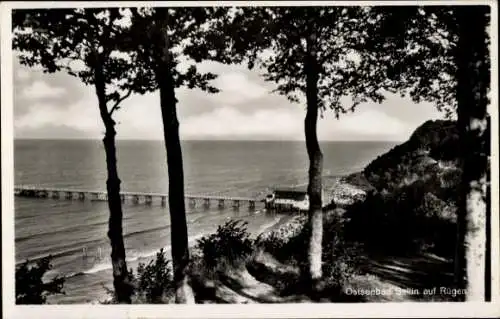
116 106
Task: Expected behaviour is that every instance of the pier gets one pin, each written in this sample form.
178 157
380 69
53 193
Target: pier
133 197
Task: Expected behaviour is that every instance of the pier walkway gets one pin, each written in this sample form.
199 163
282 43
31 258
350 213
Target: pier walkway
134 197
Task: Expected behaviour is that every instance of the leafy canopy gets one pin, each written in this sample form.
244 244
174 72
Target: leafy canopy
155 279
275 40
417 48
362 52
193 37
30 287
126 42
74 40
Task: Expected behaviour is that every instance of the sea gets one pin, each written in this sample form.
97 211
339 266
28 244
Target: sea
65 229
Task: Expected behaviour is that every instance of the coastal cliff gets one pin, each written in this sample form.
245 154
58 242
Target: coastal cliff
411 193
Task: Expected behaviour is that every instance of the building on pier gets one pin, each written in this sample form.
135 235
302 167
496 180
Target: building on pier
286 199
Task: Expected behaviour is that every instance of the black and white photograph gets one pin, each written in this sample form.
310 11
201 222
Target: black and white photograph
326 157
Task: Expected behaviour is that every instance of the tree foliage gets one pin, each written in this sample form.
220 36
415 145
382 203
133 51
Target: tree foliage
66 40
155 280
30 287
273 39
192 37
417 47
230 244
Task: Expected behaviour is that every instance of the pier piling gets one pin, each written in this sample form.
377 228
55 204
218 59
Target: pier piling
236 203
136 198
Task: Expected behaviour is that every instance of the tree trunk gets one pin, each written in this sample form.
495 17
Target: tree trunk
121 283
314 190
178 224
472 88
487 272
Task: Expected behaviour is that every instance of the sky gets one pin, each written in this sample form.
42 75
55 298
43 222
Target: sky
54 106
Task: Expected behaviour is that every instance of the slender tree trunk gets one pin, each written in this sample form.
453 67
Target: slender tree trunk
179 232
314 189
472 88
487 273
123 288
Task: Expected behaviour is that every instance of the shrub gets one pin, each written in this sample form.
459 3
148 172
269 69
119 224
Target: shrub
341 257
229 244
411 219
30 288
286 243
155 280
112 299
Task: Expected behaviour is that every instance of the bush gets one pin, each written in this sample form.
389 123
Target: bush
341 257
112 299
290 250
286 243
229 244
411 219
155 280
30 288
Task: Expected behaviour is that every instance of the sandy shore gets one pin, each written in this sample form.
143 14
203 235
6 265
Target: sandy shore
342 191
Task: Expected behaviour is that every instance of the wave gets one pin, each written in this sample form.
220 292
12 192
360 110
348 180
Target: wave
145 231
98 268
61 231
57 207
64 252
266 226
145 255
72 275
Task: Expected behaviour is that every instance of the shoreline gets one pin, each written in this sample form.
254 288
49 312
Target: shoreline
284 224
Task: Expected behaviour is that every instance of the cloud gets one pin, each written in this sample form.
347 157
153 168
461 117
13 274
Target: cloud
370 124
58 105
32 86
40 90
82 117
230 123
51 131
287 124
140 118
22 74
236 88
395 120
